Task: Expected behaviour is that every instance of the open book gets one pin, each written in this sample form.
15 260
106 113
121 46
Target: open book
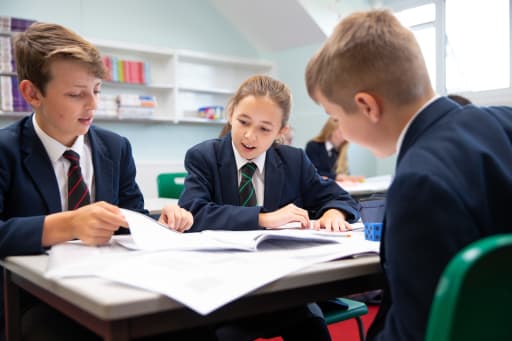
148 234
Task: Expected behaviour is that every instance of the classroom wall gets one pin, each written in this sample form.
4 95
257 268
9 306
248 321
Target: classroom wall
307 117
193 25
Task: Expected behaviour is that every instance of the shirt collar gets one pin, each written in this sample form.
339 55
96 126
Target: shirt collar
329 146
240 161
54 148
404 130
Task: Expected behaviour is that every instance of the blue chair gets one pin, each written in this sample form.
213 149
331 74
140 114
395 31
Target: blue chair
341 309
170 185
474 295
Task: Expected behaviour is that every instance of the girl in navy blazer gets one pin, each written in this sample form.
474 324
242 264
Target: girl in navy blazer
287 189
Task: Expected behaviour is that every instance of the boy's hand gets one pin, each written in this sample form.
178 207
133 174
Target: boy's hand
284 215
95 224
332 220
176 218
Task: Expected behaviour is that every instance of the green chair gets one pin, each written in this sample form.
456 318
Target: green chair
341 309
170 185
474 295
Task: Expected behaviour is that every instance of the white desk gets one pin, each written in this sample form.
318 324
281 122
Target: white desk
377 184
155 205
118 312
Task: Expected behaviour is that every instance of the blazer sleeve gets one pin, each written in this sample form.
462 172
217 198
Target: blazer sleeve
19 235
322 194
130 196
420 237
204 197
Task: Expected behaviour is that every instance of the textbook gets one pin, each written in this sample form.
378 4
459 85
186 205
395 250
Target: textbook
149 235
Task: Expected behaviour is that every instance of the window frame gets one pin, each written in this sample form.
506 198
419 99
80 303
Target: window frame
487 97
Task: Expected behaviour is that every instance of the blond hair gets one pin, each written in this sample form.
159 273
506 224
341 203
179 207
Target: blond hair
369 52
264 86
325 134
42 43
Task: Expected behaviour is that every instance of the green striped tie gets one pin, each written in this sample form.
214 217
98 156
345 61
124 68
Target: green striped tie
246 189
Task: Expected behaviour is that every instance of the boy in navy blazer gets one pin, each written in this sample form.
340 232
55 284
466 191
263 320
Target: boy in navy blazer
453 178
282 186
60 77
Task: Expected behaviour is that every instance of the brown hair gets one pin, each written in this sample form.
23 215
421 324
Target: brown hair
43 43
368 52
264 86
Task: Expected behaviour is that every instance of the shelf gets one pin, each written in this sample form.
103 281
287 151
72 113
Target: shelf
200 120
181 81
137 85
150 120
207 58
4 73
14 114
132 48
208 90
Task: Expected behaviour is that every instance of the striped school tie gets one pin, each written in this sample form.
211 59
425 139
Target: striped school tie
78 193
246 189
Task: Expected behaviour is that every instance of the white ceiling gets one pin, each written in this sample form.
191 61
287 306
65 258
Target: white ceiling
272 25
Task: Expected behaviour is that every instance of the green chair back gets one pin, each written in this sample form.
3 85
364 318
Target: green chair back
170 185
474 295
346 309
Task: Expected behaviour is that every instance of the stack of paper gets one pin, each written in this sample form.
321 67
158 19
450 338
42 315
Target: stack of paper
206 270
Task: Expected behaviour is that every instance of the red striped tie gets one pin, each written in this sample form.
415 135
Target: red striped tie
78 193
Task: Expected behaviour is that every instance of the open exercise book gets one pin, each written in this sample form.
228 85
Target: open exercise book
147 234
205 270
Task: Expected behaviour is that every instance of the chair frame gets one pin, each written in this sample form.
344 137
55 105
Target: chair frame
474 294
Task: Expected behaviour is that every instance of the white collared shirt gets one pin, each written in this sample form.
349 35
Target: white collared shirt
404 131
329 147
55 149
258 179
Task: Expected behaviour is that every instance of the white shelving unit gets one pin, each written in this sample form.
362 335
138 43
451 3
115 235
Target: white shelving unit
183 81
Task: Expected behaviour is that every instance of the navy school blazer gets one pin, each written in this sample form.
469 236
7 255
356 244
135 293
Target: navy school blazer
318 155
452 186
29 190
211 188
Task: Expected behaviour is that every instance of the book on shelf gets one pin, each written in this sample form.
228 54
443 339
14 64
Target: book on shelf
10 96
14 24
126 71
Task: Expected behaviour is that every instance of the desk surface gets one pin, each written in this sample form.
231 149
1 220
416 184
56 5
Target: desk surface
108 300
371 185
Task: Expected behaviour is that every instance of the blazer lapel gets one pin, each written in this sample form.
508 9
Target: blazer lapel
39 167
103 169
228 172
274 180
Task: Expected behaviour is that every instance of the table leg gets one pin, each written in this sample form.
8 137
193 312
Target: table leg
12 294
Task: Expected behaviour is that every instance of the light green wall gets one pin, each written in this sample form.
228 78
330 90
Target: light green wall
190 24
307 117
194 25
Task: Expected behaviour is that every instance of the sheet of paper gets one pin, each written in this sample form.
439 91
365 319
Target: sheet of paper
148 234
201 280
205 281
74 258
